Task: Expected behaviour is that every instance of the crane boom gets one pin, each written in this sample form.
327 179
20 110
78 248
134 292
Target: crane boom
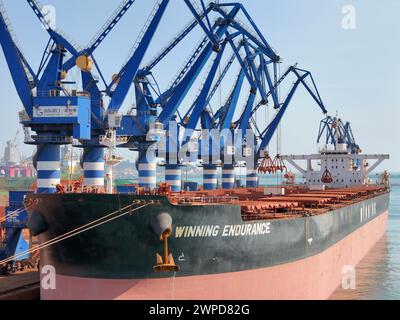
15 62
181 89
129 71
201 101
101 34
268 133
177 39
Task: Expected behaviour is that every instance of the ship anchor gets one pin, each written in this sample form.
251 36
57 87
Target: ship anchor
168 264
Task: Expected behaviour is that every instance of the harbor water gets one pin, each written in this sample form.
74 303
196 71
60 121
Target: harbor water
378 275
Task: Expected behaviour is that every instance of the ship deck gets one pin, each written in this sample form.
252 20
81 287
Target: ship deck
260 203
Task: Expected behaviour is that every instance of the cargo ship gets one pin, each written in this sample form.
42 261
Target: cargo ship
282 242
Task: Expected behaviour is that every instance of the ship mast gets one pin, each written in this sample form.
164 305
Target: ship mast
111 141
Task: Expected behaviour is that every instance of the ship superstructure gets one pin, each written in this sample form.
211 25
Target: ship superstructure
336 169
340 163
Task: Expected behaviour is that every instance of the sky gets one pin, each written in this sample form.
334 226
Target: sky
357 70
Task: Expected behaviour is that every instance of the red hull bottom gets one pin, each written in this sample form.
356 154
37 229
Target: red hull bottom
316 277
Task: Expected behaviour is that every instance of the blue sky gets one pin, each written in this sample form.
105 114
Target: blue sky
357 71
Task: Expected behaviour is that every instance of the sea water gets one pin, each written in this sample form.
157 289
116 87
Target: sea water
378 274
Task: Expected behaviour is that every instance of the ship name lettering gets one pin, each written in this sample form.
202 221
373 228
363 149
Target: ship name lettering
197 231
246 229
237 230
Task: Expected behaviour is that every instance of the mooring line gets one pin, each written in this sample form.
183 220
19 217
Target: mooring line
77 231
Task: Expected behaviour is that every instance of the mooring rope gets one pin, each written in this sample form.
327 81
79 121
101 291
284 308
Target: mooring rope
14 213
18 211
78 230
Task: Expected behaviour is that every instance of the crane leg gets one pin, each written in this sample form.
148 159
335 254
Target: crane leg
48 164
210 177
228 176
251 177
147 167
93 167
173 175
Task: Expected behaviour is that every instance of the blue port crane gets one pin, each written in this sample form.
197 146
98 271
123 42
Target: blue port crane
57 115
54 114
254 56
82 114
156 109
334 131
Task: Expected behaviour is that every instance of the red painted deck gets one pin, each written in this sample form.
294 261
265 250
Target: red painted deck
296 200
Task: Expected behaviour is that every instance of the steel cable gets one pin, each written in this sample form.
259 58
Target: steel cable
77 231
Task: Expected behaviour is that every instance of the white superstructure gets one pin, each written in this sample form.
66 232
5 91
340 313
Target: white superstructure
345 169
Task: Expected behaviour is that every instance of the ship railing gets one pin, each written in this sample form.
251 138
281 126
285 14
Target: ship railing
60 93
206 200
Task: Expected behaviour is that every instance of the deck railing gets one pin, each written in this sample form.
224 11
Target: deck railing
206 200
